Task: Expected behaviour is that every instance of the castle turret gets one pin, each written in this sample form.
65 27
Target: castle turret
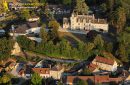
66 24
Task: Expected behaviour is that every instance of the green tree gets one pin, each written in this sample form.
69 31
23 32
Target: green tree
81 7
24 14
33 1
110 5
65 48
36 79
43 33
53 34
26 43
43 1
59 83
6 45
53 24
118 19
81 82
89 46
122 54
99 42
86 72
103 7
67 2
5 80
109 47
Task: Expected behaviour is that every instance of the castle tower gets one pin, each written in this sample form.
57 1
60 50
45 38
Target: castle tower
66 24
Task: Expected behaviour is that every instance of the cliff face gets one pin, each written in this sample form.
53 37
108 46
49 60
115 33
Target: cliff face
16 49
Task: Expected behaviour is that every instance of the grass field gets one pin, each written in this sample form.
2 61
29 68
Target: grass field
73 38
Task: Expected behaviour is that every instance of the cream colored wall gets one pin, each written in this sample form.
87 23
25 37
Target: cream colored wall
101 26
106 66
56 74
81 25
66 26
45 75
114 68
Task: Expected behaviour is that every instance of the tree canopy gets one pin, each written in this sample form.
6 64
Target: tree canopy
81 7
36 79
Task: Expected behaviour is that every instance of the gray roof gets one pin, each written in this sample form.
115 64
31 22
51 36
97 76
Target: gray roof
23 27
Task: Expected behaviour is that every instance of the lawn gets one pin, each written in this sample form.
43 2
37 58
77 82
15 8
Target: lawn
72 37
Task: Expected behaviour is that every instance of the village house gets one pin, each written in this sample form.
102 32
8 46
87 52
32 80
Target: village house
10 66
56 71
92 80
29 29
85 22
105 63
93 68
26 28
43 72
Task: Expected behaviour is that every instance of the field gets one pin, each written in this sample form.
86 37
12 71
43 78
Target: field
73 38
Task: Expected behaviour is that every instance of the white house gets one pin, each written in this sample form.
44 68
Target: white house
27 28
105 63
85 22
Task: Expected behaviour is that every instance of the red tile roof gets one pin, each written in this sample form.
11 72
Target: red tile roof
41 70
92 67
104 60
95 79
101 79
117 80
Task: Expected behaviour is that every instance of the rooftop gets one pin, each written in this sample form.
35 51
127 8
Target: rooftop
104 60
94 79
41 70
91 18
92 67
57 68
23 27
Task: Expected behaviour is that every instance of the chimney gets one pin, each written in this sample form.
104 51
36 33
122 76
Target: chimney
98 20
50 66
93 17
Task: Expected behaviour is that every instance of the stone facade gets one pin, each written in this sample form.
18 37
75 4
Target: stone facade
85 22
